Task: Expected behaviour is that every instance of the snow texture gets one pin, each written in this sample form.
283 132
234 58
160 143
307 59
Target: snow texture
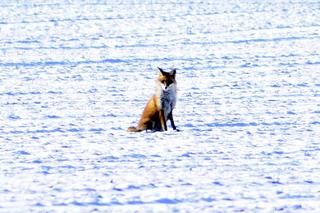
74 75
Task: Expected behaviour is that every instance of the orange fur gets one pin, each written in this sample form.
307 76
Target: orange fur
159 108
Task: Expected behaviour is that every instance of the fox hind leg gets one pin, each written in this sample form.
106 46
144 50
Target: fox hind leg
154 125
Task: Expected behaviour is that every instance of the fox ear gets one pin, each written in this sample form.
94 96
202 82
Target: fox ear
162 71
173 72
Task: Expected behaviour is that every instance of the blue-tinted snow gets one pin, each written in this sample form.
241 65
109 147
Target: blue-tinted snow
75 74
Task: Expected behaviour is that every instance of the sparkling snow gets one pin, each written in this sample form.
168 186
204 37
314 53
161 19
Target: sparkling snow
74 75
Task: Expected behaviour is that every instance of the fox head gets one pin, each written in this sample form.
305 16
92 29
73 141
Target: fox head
166 79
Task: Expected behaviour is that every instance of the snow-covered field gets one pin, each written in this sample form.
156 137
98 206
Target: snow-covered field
74 75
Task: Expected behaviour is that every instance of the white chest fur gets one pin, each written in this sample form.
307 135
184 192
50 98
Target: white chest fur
167 98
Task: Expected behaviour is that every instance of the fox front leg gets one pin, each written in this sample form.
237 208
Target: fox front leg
170 116
163 120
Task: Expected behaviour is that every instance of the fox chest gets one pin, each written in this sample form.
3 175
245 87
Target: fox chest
167 102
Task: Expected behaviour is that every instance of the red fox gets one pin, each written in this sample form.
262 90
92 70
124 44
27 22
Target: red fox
159 108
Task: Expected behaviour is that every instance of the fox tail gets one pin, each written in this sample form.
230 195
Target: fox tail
134 129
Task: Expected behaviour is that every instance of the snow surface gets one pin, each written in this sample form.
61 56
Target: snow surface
74 75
